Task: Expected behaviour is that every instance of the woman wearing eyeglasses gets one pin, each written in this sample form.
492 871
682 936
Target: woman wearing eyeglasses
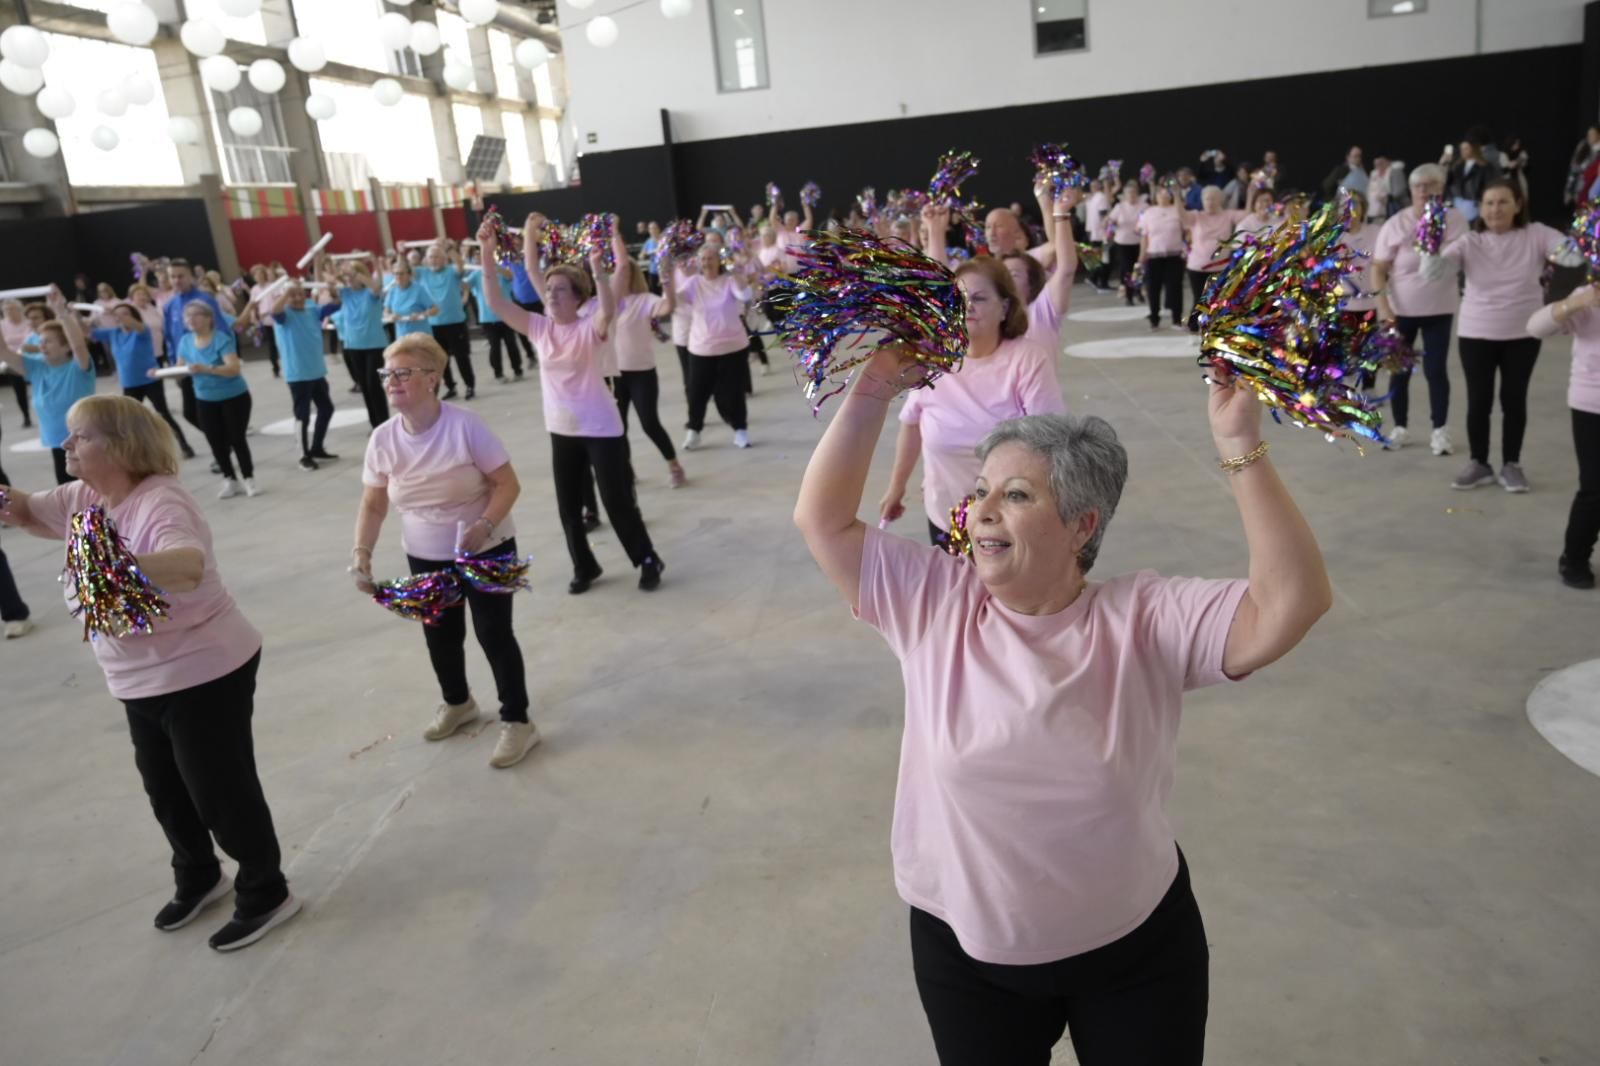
451 480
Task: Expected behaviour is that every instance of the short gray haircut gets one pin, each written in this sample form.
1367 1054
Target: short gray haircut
1427 174
1088 466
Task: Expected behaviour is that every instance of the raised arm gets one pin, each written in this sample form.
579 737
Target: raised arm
622 278
503 308
71 327
668 301
16 512
532 239
603 293
1059 285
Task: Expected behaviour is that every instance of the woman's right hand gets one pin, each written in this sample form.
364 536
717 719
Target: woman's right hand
892 506
361 575
890 371
1583 298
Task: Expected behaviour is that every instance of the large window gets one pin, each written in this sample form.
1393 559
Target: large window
262 159
250 28
469 124
458 43
347 29
1381 8
544 89
550 137
144 154
1060 25
740 37
505 65
397 141
517 156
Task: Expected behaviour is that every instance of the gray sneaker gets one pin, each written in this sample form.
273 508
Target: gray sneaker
1475 474
1512 477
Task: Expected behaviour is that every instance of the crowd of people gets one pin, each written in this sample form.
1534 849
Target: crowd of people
1045 893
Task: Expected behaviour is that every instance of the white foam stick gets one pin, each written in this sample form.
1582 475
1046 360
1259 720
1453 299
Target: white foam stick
350 255
322 242
89 309
716 207
419 244
172 372
23 294
271 288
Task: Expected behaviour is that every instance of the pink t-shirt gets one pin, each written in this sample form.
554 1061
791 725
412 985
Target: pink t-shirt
1163 226
205 635
1503 272
776 259
1095 210
1583 387
436 478
605 352
1044 323
1255 225
1411 294
716 305
1039 751
682 316
1206 234
576 400
1018 378
1124 222
14 333
1361 281
636 345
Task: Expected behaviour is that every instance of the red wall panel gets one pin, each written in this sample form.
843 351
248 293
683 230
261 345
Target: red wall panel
261 240
412 224
352 233
455 223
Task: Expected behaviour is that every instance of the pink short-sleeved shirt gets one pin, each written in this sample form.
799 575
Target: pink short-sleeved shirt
14 333
605 352
1206 234
205 636
1583 386
1039 751
436 478
1363 241
1044 323
1018 378
576 400
1503 272
1255 225
635 343
1124 222
1095 210
1163 227
1410 294
776 259
716 305
682 316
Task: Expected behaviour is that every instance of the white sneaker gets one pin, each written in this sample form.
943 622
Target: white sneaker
230 489
691 440
766 368
516 740
1399 437
250 487
1439 442
741 438
447 719
18 629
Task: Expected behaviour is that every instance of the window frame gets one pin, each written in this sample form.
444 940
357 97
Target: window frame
716 50
1033 26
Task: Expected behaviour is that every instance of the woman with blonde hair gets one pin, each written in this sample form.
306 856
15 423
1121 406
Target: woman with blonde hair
188 685
636 383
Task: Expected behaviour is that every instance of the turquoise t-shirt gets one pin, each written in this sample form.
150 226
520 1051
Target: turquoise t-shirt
133 351
55 390
362 316
475 278
299 336
412 300
444 292
209 387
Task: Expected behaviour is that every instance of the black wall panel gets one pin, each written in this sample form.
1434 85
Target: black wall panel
98 243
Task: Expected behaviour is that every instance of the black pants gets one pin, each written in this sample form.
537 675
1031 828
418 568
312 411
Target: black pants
304 395
642 389
1435 331
19 386
272 349
1100 275
491 623
936 536
58 458
1583 524
188 404
1138 1001
683 365
499 333
224 423
156 393
571 459
197 760
453 339
719 377
1123 259
368 361
1513 360
1198 280
12 607
1163 281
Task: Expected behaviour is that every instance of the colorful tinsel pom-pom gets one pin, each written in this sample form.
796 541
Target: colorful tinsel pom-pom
595 236
957 541
1430 226
810 194
774 196
505 573
508 245
1052 163
1585 233
111 594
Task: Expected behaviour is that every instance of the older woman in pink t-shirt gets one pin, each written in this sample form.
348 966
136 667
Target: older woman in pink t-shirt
1048 296
1579 315
188 686
636 383
1209 228
1161 228
1122 227
1031 838
719 345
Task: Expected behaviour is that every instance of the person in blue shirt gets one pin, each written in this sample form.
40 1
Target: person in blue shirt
648 255
361 300
441 276
407 303
135 355
298 331
174 326
496 330
222 396
60 374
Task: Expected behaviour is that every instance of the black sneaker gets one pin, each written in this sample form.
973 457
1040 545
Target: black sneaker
650 574
471 392
323 454
1575 575
307 463
580 582
184 909
242 932
449 394
517 376
591 521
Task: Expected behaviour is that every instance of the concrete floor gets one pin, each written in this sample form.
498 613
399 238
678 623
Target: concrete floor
1393 866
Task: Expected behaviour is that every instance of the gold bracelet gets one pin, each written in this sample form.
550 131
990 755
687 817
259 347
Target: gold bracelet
1233 466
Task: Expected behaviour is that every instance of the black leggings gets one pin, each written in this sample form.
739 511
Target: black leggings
501 333
1435 330
1583 524
197 760
186 401
156 393
1140 999
491 623
723 378
453 339
1123 259
571 459
12 606
642 388
58 459
367 363
683 365
224 423
19 386
1163 279
1198 280
304 395
1513 360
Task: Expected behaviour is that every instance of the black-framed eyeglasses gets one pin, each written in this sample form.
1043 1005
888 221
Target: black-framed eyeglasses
402 374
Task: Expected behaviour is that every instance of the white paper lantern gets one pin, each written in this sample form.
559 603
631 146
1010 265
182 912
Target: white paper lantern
139 89
239 9
676 9
202 38
321 106
580 5
532 53
112 103
388 91
425 39
24 46
479 12
245 121
40 143
601 31
267 76
55 102
457 75
104 138
220 73
24 81
183 130
307 55
132 23
394 30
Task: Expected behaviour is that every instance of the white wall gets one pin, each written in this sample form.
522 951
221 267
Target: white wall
841 61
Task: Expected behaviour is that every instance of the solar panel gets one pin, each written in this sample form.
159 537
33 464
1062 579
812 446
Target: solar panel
483 162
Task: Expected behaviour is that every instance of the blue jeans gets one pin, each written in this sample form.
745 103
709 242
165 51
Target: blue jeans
1435 330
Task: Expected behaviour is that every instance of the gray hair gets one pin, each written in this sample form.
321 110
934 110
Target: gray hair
1427 174
1088 466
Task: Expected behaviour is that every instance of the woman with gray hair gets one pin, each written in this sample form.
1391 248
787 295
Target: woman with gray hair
1030 835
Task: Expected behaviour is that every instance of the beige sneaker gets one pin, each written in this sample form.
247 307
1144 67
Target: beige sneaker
18 629
516 740
447 719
